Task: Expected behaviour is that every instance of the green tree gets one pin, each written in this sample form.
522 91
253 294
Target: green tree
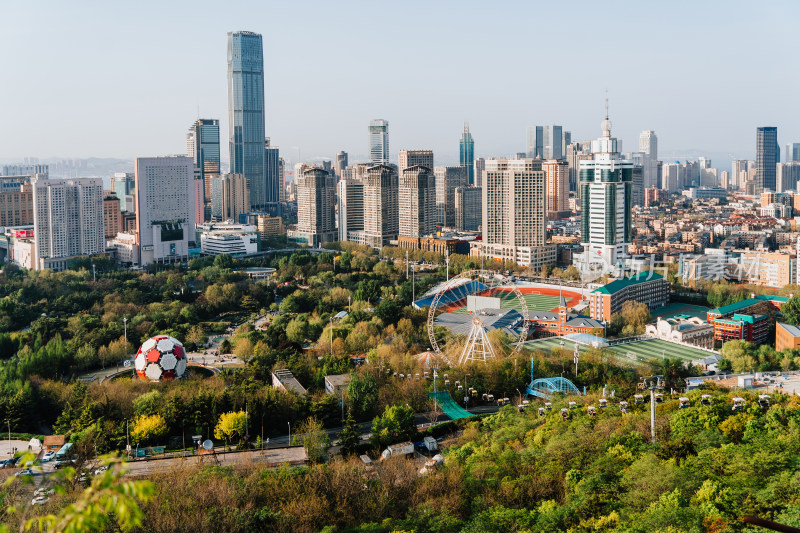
362 393
791 311
149 403
349 437
231 425
147 429
312 436
395 425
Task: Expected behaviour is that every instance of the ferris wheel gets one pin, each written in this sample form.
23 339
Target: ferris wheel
478 315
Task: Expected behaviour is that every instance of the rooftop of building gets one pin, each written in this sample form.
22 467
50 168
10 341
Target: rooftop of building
618 285
794 331
744 304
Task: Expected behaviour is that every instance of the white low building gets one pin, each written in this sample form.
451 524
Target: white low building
685 330
228 238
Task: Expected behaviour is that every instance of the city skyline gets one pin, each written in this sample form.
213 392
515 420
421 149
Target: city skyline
146 94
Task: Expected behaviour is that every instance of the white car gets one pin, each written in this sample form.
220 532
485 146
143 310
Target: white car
40 500
48 456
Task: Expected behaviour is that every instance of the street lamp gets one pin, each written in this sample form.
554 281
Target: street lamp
466 392
331 318
8 421
290 432
125 324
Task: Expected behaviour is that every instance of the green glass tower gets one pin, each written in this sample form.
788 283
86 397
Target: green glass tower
467 154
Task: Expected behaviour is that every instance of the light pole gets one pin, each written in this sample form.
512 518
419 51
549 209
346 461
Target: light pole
125 325
331 317
290 432
348 304
466 392
447 263
8 421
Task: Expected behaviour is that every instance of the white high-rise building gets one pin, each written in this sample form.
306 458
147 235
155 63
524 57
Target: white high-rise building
480 166
606 183
380 205
417 202
165 210
513 213
379 142
67 221
648 145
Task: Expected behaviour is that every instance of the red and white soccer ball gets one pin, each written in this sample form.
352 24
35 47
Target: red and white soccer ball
161 358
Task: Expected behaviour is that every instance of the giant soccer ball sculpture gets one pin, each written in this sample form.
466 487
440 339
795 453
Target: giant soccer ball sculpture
160 358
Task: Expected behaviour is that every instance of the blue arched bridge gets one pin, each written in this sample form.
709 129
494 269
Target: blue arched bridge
546 387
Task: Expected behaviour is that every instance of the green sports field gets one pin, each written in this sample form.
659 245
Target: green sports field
641 351
535 302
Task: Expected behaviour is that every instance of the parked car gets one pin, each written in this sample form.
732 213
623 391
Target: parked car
48 457
24 472
40 500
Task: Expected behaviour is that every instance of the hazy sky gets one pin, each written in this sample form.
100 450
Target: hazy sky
126 79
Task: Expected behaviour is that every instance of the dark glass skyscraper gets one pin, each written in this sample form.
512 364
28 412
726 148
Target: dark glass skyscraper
246 113
767 157
467 154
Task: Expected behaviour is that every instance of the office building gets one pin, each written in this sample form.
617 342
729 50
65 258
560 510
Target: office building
416 197
282 178
648 145
556 174
16 201
165 210
466 151
112 216
379 142
246 113
792 152
410 158
273 176
341 163
468 210
787 175
202 145
513 213
767 157
606 183
230 197
575 153
123 184
447 180
480 166
316 217
380 206
270 226
67 221
547 142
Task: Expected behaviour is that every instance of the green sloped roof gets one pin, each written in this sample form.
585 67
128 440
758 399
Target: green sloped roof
738 306
618 285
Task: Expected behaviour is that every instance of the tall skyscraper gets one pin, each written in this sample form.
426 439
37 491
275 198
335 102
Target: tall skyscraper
547 142
202 145
792 152
466 150
648 144
468 208
246 113
351 210
767 156
380 205
535 147
557 176
606 200
165 210
513 213
272 173
787 175
416 198
68 221
316 217
230 197
480 166
379 142
447 179
124 186
341 163
410 158
552 142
